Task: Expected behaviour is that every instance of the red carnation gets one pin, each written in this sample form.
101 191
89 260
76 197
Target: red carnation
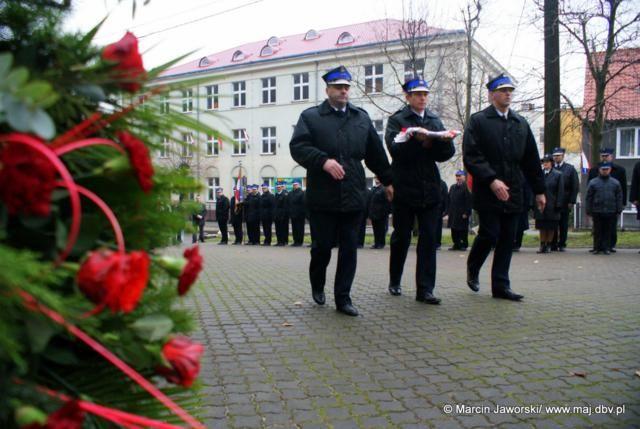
128 62
70 416
114 279
27 180
191 270
184 357
139 159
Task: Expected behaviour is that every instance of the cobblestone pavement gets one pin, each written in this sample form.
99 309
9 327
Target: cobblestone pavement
276 360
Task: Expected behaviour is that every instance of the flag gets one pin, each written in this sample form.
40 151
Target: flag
239 192
584 163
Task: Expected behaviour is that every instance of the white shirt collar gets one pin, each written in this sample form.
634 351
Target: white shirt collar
503 115
419 114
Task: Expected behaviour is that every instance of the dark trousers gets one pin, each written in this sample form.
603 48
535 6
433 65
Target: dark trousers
297 229
380 228
362 230
496 229
266 230
403 217
282 231
614 231
327 230
198 234
237 230
460 238
517 241
439 232
222 224
602 226
560 234
253 231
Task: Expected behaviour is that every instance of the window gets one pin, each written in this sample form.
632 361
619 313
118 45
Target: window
213 146
187 100
187 147
239 94
300 86
269 140
311 34
164 148
413 69
212 97
273 41
269 90
266 51
238 56
164 104
628 145
240 138
373 79
204 62
379 126
212 184
269 180
345 38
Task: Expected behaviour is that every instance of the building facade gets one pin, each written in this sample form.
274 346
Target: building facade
254 94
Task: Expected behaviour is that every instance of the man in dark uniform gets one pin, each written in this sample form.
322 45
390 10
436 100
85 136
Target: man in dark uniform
444 208
252 213
267 210
282 215
459 212
362 228
416 182
619 173
236 210
198 220
603 202
222 215
571 186
379 210
297 213
330 141
499 151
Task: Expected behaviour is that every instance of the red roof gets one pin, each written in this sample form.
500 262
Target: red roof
363 34
622 93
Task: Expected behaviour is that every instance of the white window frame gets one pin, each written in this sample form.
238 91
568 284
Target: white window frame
187 147
163 152
269 180
212 97
213 183
636 143
239 93
213 146
187 100
269 90
373 78
164 104
301 85
268 140
408 74
240 139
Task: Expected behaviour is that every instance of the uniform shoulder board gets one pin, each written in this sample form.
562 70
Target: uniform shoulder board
360 109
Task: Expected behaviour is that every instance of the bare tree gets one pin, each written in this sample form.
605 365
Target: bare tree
601 29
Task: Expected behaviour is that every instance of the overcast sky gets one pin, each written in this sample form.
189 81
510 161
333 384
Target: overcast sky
509 28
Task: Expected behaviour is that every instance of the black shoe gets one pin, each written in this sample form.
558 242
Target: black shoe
606 252
222 243
296 245
473 282
428 298
612 250
553 248
543 249
508 294
266 244
348 309
395 290
318 297
596 252
561 249
235 243
592 250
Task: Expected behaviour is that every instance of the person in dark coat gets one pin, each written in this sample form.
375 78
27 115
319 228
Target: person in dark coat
297 213
222 215
459 211
547 220
281 216
379 210
603 202
619 173
444 208
417 187
499 151
252 214
634 192
362 228
571 187
331 140
267 212
198 220
236 212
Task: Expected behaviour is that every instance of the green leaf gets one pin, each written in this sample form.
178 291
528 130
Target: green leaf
41 123
91 91
5 64
34 91
86 40
48 100
39 332
18 114
61 234
16 78
61 356
153 327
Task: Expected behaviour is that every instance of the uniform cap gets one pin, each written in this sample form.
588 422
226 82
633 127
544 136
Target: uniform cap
559 151
415 85
500 81
338 76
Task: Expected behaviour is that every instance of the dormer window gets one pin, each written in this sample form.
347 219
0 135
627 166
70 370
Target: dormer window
311 34
345 38
273 41
204 62
266 51
238 56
